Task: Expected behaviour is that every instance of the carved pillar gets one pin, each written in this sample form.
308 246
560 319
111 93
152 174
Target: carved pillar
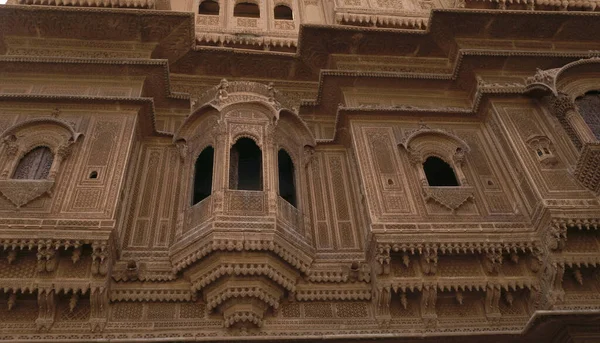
492 301
428 300
98 308
565 110
47 308
383 298
269 167
221 172
61 154
12 151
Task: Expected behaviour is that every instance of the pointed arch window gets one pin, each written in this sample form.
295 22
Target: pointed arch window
246 9
245 166
283 12
439 173
209 7
35 165
203 175
287 187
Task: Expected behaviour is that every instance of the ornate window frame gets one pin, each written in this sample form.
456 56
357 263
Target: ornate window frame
23 137
425 142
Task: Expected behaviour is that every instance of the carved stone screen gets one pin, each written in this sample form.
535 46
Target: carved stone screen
35 164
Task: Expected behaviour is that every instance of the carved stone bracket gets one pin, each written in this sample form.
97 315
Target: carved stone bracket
22 192
450 197
429 260
100 259
493 262
382 257
555 236
46 259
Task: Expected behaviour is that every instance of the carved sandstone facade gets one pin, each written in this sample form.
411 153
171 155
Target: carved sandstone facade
299 169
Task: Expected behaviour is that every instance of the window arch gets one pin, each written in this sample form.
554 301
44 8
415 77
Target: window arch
208 7
203 175
439 173
287 187
283 12
246 9
35 165
245 166
589 108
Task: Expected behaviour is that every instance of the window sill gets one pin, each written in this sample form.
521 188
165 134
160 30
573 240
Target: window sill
22 192
450 197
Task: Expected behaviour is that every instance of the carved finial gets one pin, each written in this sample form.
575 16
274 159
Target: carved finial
73 301
272 91
12 300
223 92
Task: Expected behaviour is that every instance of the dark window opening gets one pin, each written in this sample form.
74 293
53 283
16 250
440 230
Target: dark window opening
283 12
589 108
35 165
246 9
439 173
93 175
287 188
203 175
209 7
245 166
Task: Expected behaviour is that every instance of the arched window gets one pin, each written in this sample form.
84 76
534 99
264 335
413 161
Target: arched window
246 9
203 175
283 12
438 172
589 108
245 166
287 188
209 7
35 165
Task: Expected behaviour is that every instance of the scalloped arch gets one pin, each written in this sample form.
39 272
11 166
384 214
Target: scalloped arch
435 132
41 121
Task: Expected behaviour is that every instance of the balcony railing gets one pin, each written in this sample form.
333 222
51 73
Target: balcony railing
291 217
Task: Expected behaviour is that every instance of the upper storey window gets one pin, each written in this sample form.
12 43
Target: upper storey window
245 166
246 9
283 12
589 107
439 173
287 187
203 175
209 7
35 165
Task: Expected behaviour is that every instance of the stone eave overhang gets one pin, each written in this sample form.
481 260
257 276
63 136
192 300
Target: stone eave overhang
146 105
156 85
172 31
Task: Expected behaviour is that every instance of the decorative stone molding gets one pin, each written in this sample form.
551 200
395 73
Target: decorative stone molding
95 3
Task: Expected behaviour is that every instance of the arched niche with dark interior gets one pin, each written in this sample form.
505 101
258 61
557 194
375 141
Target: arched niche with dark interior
208 7
246 9
283 12
203 175
245 166
589 108
439 173
287 187
35 165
